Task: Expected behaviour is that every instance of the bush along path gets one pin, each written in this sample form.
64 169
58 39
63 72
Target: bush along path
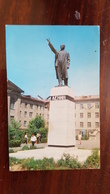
66 162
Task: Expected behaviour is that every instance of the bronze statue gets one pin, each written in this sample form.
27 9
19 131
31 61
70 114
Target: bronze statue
62 62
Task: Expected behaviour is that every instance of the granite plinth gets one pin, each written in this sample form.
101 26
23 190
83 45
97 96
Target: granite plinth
62 118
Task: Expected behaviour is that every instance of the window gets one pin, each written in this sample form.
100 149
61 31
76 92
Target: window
96 114
20 113
89 124
89 115
97 105
81 124
25 113
81 106
12 103
11 118
37 107
31 106
25 105
25 123
30 114
81 115
36 114
96 124
89 105
21 103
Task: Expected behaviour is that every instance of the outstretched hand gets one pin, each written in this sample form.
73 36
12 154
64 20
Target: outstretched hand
48 40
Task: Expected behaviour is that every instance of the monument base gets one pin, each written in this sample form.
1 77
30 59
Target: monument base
62 118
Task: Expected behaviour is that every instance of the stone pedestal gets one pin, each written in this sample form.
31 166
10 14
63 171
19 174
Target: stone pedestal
62 118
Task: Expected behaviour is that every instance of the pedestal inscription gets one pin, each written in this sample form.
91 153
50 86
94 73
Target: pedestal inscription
62 117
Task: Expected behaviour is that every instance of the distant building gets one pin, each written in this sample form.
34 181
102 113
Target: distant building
87 114
23 108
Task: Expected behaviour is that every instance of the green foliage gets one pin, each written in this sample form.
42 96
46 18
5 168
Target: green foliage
14 134
93 161
25 147
44 140
35 124
33 147
85 137
31 128
39 122
13 160
11 151
68 162
45 164
14 143
43 132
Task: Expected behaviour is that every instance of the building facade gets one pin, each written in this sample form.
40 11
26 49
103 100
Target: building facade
23 108
87 114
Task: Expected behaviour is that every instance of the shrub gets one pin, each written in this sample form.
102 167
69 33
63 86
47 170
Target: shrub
25 147
13 160
14 143
85 137
45 164
93 161
11 151
33 147
35 124
44 140
68 162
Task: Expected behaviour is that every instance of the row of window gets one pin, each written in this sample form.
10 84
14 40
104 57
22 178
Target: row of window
25 123
31 105
30 114
89 124
89 106
12 105
89 115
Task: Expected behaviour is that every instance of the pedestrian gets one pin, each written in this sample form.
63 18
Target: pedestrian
38 137
26 138
33 139
79 138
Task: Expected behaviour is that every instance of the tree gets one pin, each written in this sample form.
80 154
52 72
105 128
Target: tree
14 130
14 133
36 123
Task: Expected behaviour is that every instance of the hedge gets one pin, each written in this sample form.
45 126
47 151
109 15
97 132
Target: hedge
14 143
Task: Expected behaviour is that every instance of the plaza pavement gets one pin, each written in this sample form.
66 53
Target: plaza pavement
81 152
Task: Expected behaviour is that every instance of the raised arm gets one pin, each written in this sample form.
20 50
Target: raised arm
51 46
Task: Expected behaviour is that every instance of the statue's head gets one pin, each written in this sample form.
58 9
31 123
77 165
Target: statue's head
62 46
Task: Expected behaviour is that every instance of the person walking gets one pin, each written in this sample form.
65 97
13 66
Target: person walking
79 138
26 138
33 139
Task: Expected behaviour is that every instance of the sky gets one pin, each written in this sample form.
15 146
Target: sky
30 61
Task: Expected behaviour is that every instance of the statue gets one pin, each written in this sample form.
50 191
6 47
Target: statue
62 62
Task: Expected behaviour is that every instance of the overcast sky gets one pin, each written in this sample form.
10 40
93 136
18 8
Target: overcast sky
30 62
